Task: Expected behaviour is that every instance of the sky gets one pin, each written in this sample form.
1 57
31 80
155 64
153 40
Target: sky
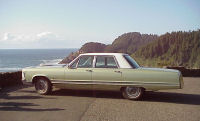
71 23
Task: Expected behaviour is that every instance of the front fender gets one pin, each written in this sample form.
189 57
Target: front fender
38 75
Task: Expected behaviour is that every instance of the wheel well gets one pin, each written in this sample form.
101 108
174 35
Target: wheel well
122 88
38 77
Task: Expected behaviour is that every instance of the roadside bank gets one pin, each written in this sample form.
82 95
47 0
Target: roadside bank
10 79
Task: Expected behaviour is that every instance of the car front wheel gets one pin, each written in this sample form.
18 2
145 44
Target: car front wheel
132 93
43 86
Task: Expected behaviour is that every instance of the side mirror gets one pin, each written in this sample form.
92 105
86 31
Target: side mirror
66 65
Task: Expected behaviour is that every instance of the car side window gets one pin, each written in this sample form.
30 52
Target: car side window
85 62
100 62
105 62
111 62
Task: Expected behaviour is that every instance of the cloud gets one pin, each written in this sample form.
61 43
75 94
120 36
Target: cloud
43 34
9 36
6 36
16 38
47 36
39 40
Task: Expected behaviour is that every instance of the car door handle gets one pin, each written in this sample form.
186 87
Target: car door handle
89 70
118 71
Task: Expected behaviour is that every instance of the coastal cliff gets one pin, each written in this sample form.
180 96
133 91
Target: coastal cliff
91 47
126 43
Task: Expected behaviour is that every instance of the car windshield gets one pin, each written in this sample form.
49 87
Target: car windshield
131 61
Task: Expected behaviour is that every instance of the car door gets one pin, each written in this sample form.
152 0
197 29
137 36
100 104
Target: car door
106 73
79 73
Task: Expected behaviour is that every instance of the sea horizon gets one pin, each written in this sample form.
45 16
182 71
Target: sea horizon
16 59
34 48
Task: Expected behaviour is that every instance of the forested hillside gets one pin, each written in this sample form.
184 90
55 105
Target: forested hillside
92 47
172 49
130 42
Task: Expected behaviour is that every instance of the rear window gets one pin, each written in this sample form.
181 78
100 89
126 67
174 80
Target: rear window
131 61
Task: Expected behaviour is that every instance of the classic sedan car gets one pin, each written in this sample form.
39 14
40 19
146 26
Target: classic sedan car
103 71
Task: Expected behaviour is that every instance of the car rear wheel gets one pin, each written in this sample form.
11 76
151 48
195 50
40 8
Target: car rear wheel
132 93
43 86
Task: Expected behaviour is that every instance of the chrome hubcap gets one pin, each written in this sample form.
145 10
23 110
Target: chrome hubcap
133 92
41 86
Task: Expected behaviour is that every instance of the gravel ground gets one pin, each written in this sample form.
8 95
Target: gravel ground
22 103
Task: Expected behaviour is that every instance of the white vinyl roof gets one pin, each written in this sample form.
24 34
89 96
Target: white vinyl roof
103 54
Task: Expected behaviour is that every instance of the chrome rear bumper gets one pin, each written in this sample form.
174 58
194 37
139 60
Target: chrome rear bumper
181 81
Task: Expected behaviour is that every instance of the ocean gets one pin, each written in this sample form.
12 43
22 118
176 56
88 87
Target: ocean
16 59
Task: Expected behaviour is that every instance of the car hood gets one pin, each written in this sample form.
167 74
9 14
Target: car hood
47 66
159 69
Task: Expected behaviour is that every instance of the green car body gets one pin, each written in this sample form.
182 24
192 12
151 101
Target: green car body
105 71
